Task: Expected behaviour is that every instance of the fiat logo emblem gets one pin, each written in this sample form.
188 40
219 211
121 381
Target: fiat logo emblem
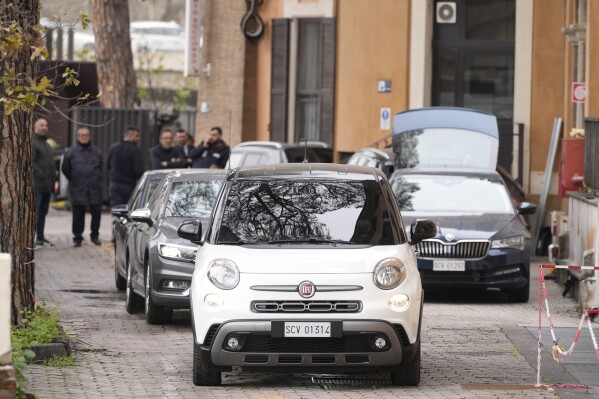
449 237
306 289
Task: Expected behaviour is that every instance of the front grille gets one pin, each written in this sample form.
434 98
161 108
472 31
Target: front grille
348 344
357 359
458 250
289 359
306 306
323 359
260 359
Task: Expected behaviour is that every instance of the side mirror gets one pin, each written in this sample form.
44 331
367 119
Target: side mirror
120 210
527 208
388 169
142 215
191 230
422 229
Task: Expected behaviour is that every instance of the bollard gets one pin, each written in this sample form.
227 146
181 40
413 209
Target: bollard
7 372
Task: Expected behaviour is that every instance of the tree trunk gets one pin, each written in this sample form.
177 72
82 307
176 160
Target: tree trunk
17 210
114 59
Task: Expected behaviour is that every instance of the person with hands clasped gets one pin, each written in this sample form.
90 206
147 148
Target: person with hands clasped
212 152
164 155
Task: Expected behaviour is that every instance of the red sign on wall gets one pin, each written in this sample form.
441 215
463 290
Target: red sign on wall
579 92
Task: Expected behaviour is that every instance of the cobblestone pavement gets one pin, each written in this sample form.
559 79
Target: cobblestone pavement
474 345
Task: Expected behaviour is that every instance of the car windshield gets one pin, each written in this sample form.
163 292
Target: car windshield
445 147
192 199
288 212
450 194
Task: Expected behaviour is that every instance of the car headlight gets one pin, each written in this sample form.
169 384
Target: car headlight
389 273
516 242
223 273
177 252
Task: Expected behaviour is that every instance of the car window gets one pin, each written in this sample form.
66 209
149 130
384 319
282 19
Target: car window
451 194
340 211
147 193
193 199
157 199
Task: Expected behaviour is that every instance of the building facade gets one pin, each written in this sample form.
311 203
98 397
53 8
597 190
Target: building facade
332 70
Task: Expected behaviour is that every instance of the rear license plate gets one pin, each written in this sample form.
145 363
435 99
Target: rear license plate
307 329
449 265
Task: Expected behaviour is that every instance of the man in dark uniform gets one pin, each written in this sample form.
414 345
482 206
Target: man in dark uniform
44 172
183 142
164 155
125 167
82 165
211 153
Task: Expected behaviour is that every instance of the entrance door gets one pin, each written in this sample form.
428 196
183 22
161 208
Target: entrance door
473 63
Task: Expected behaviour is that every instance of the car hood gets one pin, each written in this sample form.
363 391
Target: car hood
286 259
472 227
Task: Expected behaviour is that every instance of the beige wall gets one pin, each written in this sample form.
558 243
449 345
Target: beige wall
548 82
592 66
5 299
269 10
372 44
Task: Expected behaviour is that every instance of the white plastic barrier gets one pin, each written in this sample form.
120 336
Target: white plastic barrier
5 299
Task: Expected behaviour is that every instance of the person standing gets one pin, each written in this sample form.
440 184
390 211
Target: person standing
44 172
164 155
184 142
212 152
125 167
82 165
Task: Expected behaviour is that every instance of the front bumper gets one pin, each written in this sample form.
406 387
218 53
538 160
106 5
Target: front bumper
165 270
501 268
353 348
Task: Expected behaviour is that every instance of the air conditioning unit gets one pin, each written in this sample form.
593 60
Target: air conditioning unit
446 12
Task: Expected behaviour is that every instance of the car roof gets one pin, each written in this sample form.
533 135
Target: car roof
480 174
306 170
267 144
200 173
157 173
385 153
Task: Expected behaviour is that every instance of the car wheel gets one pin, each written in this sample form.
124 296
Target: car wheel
119 281
132 300
409 373
204 373
155 314
521 295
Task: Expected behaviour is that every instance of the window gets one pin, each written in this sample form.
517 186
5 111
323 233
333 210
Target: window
193 199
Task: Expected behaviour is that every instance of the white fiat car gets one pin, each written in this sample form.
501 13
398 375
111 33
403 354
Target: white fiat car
306 267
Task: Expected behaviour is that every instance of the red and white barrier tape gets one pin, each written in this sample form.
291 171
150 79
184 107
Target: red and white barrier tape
556 349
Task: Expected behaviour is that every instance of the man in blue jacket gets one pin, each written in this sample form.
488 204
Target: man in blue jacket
82 165
44 172
212 152
164 155
125 167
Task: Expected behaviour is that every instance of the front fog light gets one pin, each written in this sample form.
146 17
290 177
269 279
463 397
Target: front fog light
233 343
380 343
213 302
175 285
399 302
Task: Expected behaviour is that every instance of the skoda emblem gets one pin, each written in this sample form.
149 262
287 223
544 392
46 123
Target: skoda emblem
449 237
306 289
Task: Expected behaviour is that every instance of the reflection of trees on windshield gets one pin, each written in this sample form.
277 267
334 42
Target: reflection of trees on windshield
404 193
286 210
405 146
192 199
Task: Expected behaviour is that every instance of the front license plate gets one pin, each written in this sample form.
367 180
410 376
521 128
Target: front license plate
449 265
307 329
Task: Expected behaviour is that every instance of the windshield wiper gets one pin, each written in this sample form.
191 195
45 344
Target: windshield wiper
238 242
311 240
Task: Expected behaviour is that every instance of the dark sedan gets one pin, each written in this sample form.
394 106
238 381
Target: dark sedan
139 198
482 239
159 263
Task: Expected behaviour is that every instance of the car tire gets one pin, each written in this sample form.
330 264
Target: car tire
155 314
204 373
521 295
132 300
409 373
119 281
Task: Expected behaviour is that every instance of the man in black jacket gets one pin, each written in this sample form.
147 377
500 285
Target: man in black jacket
44 172
164 155
82 165
125 167
212 152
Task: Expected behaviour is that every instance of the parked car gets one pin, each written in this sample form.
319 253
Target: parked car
306 267
159 263
269 152
446 160
482 240
139 199
157 36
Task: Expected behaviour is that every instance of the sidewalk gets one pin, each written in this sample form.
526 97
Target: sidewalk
473 345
